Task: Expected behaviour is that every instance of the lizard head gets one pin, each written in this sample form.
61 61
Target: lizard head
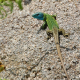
38 15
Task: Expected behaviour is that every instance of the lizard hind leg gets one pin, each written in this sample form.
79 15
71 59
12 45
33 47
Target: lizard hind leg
62 32
49 33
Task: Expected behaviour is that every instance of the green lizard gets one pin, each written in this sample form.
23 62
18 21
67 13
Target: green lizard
50 21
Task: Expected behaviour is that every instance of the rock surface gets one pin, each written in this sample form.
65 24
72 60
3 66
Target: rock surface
28 55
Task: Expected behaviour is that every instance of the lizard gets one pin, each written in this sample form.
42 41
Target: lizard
54 31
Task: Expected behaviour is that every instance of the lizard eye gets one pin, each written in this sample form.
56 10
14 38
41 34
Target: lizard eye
37 14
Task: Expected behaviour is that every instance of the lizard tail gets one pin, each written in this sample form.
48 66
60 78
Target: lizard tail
59 53
56 37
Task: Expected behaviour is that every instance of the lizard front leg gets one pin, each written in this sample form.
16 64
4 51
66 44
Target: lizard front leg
54 16
43 27
62 32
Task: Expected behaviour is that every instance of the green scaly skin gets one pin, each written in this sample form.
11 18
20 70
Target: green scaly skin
50 21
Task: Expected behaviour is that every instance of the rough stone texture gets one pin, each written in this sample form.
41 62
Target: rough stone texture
28 55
